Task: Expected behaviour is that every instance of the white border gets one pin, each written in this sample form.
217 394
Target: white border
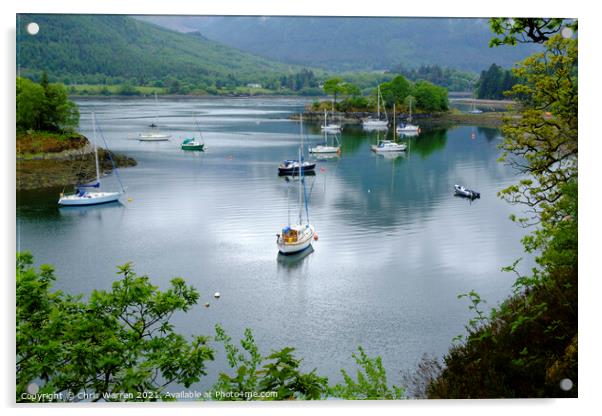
589 374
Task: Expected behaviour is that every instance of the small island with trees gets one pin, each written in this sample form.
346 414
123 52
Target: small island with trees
50 153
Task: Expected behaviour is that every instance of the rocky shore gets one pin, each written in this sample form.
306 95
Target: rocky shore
45 162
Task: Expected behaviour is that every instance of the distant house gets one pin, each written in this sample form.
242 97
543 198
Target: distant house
253 85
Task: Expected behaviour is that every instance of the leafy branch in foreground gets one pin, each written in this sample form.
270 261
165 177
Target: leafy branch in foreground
526 30
114 346
371 383
541 143
273 377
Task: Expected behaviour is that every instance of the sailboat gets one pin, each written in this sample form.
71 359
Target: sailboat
330 126
296 167
377 123
408 127
192 143
154 135
325 148
297 237
474 110
84 197
389 145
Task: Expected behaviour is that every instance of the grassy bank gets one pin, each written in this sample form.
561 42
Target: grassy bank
51 159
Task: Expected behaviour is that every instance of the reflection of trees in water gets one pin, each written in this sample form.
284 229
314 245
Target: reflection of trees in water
488 132
352 138
428 142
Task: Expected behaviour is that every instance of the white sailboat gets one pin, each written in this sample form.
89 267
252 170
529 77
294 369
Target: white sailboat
408 127
330 126
84 197
474 110
383 146
154 135
376 123
297 237
325 148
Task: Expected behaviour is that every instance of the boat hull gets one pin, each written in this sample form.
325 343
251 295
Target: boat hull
200 147
395 149
375 124
153 137
408 129
295 170
325 149
298 246
92 198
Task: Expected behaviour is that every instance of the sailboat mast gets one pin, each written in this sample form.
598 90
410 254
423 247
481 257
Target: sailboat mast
384 106
378 101
394 131
300 179
95 147
410 119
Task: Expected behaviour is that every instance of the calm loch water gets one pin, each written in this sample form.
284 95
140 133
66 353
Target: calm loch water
395 245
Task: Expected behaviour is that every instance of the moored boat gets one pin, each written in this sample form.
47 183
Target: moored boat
468 193
293 167
191 144
376 123
295 238
82 195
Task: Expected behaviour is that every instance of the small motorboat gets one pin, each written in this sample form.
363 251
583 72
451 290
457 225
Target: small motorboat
468 193
291 167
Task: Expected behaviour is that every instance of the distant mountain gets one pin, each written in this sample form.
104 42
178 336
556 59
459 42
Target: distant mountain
101 48
357 43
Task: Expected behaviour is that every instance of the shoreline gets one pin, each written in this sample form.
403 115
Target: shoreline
448 119
63 168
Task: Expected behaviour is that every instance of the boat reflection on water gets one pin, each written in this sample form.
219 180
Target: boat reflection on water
294 261
295 177
89 210
327 156
392 155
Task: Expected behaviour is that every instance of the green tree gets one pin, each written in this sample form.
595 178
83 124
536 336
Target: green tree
120 341
44 106
494 82
542 143
334 86
395 91
30 104
430 97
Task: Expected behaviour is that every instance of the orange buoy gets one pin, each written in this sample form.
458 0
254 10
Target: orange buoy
316 236
322 170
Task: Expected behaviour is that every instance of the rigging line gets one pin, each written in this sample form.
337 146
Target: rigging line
110 157
305 197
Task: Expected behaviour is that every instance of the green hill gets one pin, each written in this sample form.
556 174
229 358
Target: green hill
111 49
356 43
